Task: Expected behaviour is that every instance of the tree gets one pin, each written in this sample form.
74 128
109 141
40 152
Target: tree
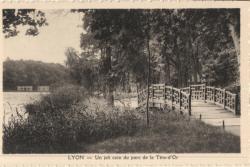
171 46
117 35
83 69
190 39
12 18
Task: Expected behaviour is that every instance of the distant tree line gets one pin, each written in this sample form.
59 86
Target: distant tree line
33 73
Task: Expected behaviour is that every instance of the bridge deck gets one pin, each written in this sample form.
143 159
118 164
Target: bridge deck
214 115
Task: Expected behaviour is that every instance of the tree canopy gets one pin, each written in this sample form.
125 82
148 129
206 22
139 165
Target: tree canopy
173 46
32 18
121 47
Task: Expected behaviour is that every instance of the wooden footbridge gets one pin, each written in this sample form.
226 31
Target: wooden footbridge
214 106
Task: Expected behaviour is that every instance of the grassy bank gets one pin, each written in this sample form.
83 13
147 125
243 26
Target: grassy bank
69 121
170 132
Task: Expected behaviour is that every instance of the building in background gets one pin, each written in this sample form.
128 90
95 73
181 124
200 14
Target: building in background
25 88
43 88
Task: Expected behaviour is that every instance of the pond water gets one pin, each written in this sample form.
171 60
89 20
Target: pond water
128 103
14 102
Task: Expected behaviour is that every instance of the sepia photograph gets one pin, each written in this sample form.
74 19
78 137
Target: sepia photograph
121 81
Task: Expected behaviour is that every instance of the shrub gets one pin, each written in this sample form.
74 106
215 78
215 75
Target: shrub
101 121
64 118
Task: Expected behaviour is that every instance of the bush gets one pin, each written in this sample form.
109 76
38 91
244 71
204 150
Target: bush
64 118
101 121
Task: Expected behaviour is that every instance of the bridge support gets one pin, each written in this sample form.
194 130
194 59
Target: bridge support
153 95
224 98
205 93
172 97
236 105
214 97
189 105
180 97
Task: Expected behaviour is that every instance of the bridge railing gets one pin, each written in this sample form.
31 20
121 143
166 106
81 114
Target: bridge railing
210 93
142 95
161 95
198 92
219 96
185 102
231 101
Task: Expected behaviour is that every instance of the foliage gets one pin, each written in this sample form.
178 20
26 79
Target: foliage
123 47
183 45
83 68
100 129
64 118
68 120
29 72
173 46
12 18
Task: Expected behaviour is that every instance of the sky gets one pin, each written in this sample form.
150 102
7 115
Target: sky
50 44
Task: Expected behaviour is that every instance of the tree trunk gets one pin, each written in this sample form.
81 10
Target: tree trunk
110 85
166 69
179 68
168 72
236 40
148 80
195 64
179 75
110 96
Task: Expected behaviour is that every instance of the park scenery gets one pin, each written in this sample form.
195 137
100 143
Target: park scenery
121 81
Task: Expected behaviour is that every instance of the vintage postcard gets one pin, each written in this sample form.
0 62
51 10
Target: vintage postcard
125 83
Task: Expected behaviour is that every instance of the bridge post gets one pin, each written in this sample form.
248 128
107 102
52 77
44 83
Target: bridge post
205 93
189 104
190 90
165 95
153 95
236 105
172 97
214 94
180 97
224 98
138 97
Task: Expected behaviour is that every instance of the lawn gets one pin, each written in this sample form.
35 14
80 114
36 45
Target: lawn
170 132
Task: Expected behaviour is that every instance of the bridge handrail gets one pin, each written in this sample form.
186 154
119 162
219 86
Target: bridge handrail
231 101
166 94
175 89
198 85
186 89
